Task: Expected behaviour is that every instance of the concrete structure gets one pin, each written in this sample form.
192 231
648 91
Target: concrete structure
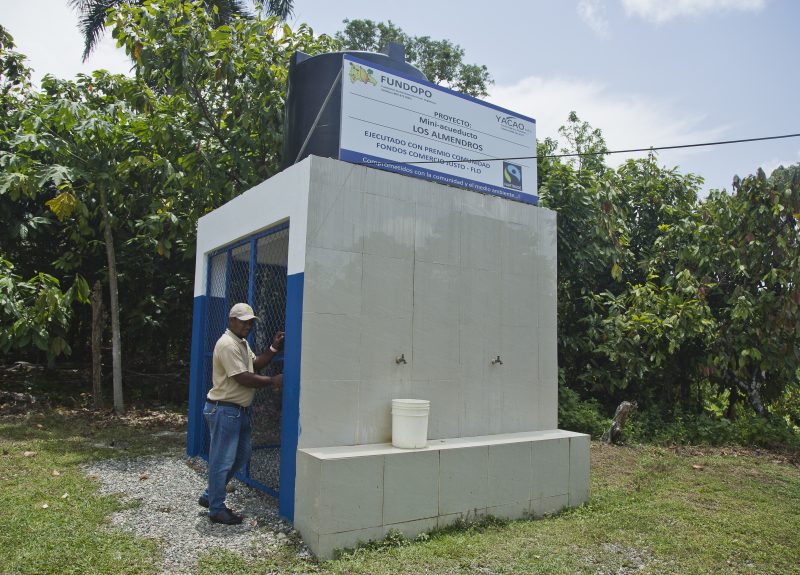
360 493
404 288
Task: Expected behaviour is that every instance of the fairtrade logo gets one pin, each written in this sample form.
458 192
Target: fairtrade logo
359 73
512 176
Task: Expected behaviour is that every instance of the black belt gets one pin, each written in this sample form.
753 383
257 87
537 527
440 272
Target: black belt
226 403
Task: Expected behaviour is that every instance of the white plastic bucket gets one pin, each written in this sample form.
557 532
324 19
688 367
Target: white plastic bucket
410 423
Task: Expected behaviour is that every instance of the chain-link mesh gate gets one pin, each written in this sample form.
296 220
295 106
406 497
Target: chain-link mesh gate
252 271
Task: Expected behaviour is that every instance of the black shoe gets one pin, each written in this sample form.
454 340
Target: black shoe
226 517
203 501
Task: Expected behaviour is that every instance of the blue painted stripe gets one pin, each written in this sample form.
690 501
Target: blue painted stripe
418 171
197 392
290 411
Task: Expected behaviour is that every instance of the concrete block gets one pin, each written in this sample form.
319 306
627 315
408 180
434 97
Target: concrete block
435 322
388 287
520 302
306 494
332 283
520 406
374 412
411 486
326 354
328 413
388 227
548 380
336 219
463 479
480 241
578 470
351 494
445 413
548 505
330 542
550 464
383 340
510 473
520 250
438 233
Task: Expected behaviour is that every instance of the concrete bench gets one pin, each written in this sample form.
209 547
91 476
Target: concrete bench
351 494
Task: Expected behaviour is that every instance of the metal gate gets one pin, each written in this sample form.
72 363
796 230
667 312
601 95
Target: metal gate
252 271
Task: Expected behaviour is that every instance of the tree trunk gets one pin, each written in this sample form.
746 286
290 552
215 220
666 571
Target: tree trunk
733 400
116 342
753 391
97 341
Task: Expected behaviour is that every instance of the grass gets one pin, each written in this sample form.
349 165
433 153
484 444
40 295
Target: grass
652 511
52 519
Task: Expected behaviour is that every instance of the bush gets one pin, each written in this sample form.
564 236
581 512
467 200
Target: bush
578 415
746 429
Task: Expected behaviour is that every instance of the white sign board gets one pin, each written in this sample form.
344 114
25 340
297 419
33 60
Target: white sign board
414 127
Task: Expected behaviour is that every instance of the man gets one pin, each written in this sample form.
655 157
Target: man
227 410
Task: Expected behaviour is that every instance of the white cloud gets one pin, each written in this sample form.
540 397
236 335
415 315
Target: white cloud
660 11
627 120
593 12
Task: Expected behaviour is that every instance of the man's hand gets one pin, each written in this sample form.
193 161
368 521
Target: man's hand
266 356
277 381
277 340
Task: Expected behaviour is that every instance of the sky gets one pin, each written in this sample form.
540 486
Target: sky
646 72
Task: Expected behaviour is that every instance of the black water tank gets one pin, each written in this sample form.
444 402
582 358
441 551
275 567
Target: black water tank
310 80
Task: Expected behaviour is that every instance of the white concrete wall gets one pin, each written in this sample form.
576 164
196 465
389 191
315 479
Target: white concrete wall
283 197
448 278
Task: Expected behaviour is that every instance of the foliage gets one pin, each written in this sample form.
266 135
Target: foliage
745 248
36 312
704 428
666 299
441 61
579 415
231 79
645 337
586 146
165 153
93 14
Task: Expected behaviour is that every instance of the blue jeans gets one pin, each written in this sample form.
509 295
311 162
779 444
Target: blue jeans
230 429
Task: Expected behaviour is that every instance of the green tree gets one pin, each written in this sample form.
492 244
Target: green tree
747 243
441 61
93 14
162 154
592 241
233 79
24 223
85 148
585 144
36 312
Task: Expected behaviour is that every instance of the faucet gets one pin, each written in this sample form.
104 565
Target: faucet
497 360
400 359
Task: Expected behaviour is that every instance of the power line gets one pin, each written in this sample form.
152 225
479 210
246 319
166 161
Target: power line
603 153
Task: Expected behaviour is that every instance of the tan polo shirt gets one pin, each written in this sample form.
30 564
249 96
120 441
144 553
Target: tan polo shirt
232 356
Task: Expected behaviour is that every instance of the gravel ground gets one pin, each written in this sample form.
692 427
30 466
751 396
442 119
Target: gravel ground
167 488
